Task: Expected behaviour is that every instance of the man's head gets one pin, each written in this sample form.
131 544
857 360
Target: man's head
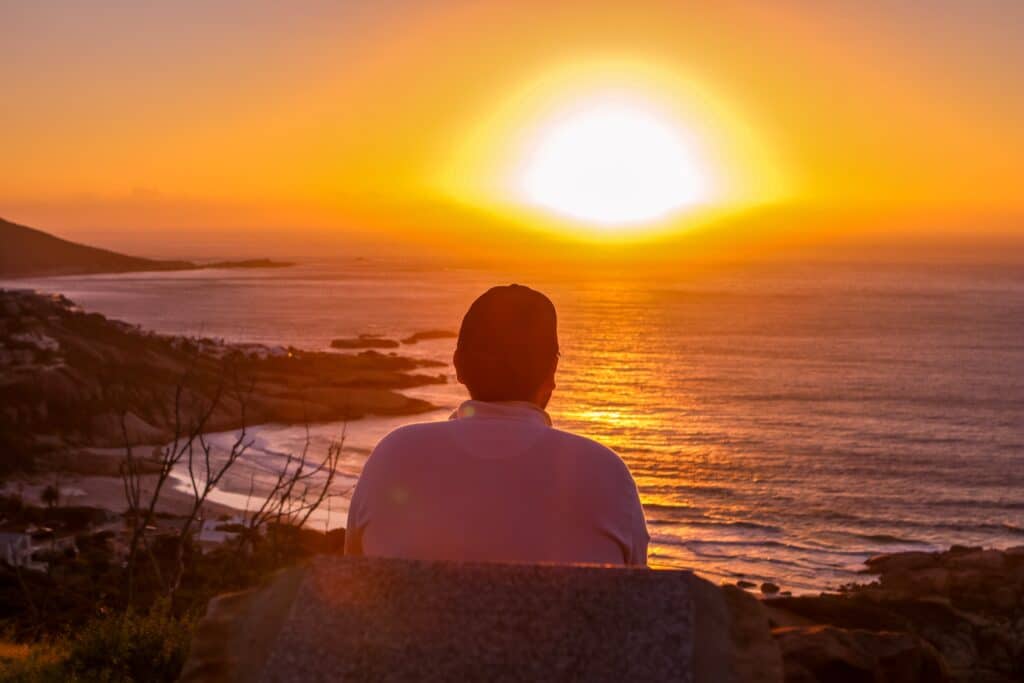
508 346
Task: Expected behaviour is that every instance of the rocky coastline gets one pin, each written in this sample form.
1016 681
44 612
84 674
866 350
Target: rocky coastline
956 615
377 341
76 386
73 383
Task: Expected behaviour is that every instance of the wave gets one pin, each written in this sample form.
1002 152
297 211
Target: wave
669 507
676 488
765 544
849 519
998 526
710 523
887 538
980 504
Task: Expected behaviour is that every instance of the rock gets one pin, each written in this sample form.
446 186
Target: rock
364 341
957 549
901 562
1004 598
826 653
754 653
780 617
844 611
987 560
769 588
343 618
935 580
968 605
98 368
746 584
429 334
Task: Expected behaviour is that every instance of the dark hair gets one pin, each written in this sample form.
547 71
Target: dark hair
508 344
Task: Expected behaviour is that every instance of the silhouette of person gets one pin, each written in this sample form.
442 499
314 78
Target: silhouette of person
496 482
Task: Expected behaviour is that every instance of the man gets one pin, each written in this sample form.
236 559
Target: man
496 482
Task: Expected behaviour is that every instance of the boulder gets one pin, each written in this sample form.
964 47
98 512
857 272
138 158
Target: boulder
967 603
364 341
1004 598
344 618
921 582
901 562
985 560
827 654
429 334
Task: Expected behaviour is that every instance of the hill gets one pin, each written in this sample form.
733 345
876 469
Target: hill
28 252
67 377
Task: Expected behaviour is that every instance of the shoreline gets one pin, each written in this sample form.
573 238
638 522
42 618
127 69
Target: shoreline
723 549
78 387
97 491
75 381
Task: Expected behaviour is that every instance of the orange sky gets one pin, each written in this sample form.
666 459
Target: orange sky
181 122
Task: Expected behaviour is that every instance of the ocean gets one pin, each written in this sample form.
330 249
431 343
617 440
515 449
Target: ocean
783 422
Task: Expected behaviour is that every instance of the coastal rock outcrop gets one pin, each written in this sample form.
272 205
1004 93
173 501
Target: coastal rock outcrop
956 615
426 335
827 653
73 381
364 341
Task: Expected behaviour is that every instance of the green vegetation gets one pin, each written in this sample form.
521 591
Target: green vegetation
128 646
75 622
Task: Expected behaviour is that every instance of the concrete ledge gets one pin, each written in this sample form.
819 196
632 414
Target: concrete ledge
396 620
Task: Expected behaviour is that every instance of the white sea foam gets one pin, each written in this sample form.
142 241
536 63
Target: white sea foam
782 423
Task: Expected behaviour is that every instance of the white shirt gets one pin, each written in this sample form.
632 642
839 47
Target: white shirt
496 483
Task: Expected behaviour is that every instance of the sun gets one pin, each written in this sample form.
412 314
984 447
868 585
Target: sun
610 149
612 161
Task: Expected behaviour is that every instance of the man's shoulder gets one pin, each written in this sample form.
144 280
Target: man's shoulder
585 447
417 433
401 448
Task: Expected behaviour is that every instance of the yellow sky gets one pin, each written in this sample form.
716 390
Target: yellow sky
395 118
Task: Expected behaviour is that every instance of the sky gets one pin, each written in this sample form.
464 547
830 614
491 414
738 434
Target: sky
172 126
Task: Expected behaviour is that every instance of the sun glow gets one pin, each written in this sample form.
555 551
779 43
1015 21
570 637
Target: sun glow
611 149
612 162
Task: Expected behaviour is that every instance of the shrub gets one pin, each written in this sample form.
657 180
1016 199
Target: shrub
37 664
122 647
131 647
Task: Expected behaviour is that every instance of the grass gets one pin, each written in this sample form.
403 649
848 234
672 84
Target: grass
126 647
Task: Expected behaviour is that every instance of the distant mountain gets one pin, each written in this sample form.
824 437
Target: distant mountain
27 252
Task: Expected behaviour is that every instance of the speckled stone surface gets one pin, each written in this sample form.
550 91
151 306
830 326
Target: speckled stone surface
396 620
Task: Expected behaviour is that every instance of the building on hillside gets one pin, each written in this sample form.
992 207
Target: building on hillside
216 532
16 549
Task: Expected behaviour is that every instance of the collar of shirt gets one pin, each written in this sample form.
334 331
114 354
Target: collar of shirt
501 410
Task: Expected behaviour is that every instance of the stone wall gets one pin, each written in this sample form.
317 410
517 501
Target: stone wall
374 619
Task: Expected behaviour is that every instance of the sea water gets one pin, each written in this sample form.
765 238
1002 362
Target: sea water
782 421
